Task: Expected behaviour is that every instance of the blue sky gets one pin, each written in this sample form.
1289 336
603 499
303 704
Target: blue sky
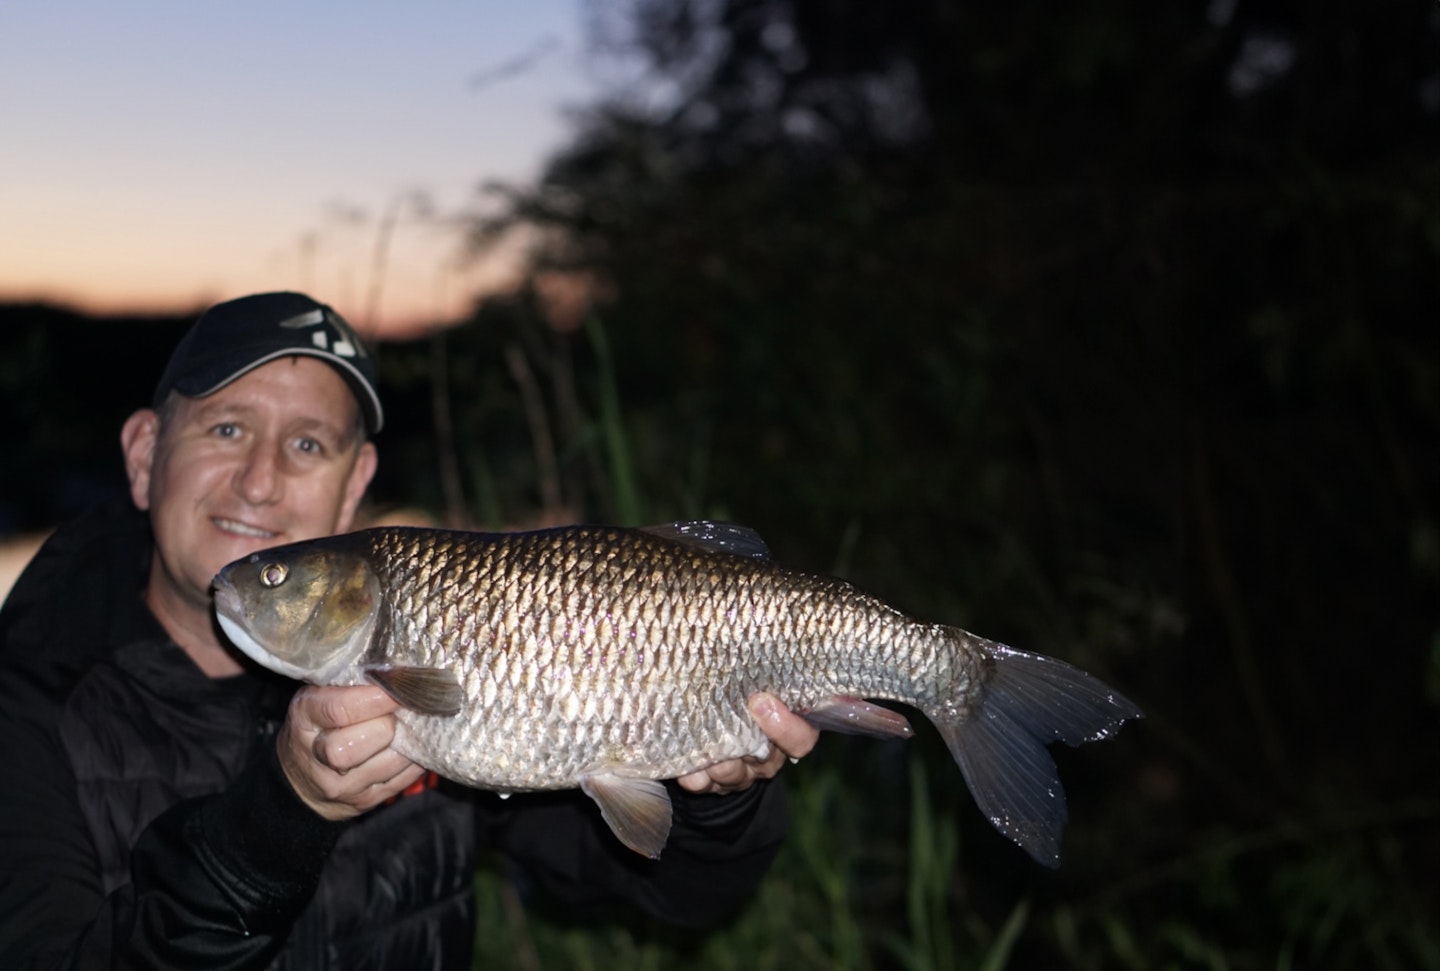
168 154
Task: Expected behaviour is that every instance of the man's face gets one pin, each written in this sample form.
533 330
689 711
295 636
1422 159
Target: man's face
273 457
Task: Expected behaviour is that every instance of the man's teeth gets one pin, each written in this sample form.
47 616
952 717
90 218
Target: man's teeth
231 526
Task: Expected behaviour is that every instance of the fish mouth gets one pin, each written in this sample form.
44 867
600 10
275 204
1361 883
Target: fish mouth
230 613
227 599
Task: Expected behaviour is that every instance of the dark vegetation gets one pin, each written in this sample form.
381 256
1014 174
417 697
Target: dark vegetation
1106 330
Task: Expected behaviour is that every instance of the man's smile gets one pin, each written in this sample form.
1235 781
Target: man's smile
242 529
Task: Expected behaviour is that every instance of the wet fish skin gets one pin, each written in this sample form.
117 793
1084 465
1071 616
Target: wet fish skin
609 658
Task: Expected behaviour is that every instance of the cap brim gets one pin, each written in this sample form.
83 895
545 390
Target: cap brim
206 382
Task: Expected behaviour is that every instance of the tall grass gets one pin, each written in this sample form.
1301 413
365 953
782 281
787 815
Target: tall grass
630 505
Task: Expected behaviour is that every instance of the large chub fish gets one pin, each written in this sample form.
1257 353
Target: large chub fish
610 659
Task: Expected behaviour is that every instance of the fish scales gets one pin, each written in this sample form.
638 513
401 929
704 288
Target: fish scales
570 615
603 658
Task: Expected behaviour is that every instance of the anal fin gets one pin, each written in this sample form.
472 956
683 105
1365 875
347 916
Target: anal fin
856 716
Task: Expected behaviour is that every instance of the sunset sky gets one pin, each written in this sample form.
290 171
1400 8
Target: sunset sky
164 155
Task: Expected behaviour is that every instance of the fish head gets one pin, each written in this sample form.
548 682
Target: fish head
305 610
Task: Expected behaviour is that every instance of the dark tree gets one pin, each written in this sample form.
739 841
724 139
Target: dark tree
1108 329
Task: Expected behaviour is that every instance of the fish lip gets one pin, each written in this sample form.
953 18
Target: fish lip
227 598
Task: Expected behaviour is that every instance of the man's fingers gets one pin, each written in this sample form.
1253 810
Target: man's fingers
790 737
721 777
336 706
335 749
787 731
342 749
384 771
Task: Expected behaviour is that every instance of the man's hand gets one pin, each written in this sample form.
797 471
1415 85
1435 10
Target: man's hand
335 750
791 737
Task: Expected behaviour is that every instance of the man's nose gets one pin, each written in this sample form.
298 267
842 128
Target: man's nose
258 480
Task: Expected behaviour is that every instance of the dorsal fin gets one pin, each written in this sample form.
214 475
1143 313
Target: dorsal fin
712 537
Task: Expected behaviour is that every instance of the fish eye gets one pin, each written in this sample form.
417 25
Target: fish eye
273 574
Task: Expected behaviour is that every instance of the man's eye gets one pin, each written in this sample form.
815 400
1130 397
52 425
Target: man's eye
227 429
309 446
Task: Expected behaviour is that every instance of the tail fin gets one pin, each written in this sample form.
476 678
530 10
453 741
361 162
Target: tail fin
1028 701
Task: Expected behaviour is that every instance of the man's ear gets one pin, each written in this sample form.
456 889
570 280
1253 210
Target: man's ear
360 475
137 441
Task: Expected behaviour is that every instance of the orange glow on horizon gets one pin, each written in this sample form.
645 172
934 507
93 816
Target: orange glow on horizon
405 307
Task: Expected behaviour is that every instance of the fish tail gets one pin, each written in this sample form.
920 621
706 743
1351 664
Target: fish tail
1028 701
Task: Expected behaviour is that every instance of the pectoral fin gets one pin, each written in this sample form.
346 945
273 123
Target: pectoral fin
856 716
430 691
637 810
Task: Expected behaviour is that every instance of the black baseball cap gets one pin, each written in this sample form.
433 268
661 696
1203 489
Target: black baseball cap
233 338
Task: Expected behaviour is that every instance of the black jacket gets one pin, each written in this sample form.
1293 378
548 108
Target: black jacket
145 821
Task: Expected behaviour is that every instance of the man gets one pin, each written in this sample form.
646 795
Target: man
169 805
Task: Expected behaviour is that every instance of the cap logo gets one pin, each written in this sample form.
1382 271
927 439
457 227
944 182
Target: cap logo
341 343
